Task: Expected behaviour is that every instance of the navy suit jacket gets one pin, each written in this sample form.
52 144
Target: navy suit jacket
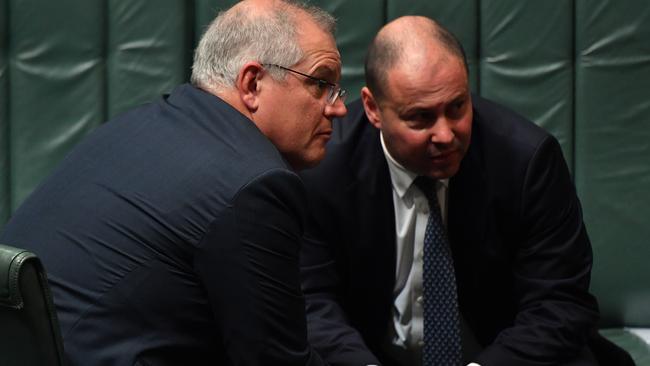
171 236
521 253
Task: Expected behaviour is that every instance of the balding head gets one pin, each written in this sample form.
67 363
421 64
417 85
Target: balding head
407 41
253 30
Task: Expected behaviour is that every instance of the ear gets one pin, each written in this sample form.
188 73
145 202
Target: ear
371 107
248 84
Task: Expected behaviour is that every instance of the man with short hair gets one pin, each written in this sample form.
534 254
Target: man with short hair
446 229
171 235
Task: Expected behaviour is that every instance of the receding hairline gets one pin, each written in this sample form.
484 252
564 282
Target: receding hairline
404 37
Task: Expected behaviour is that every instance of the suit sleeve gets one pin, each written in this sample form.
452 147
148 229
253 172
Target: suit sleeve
551 266
329 330
249 265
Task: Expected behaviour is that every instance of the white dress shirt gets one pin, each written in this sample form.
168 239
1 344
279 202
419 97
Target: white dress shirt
411 215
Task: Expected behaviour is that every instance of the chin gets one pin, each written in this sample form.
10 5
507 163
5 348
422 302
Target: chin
306 162
443 173
314 162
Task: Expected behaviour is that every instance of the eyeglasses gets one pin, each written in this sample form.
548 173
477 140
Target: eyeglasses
334 91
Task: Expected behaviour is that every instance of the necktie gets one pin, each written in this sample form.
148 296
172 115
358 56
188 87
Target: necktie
442 344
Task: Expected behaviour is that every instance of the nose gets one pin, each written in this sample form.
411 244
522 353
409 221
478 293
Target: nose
442 132
338 109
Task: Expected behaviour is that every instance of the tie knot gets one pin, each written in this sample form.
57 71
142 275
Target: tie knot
428 188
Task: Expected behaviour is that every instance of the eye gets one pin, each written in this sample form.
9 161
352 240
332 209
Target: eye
318 83
421 116
322 84
419 119
455 109
426 116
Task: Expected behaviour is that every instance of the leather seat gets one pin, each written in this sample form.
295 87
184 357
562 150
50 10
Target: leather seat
30 333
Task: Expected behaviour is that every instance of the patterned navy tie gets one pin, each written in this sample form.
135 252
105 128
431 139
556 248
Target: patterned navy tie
442 344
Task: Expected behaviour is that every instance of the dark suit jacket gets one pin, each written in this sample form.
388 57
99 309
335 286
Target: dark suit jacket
171 236
521 253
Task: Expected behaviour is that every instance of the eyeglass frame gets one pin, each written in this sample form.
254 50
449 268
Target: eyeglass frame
335 90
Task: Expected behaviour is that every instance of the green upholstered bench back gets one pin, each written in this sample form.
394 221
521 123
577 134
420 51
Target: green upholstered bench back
580 69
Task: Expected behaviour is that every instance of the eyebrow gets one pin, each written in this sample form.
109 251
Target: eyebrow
464 95
325 72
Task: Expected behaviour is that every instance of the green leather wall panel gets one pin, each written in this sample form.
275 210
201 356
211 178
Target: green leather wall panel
613 151
204 12
4 114
527 62
152 53
56 83
357 23
635 345
459 16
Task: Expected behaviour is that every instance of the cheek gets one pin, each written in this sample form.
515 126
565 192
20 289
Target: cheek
312 123
464 133
465 127
303 119
410 147
415 140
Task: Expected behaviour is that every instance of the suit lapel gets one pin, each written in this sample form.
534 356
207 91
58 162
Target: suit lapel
373 192
468 216
467 199
372 202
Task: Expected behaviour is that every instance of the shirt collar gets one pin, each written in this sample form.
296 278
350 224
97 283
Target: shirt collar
402 178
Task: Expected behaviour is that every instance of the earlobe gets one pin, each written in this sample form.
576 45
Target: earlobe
371 107
248 85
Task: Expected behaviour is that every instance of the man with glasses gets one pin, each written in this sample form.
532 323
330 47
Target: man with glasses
171 234
446 229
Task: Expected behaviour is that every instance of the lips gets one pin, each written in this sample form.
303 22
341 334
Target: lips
325 133
443 156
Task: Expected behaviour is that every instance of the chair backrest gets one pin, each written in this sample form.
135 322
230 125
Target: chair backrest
29 329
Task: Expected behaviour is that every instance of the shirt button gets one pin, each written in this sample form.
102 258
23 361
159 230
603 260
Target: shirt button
421 343
419 299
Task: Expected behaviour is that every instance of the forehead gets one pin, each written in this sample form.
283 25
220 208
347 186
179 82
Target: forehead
318 46
433 80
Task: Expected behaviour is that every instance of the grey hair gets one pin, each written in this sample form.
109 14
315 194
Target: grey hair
237 36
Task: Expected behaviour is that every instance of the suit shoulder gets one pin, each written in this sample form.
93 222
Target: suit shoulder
349 129
501 126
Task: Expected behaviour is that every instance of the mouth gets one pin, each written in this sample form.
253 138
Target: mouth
325 133
443 156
